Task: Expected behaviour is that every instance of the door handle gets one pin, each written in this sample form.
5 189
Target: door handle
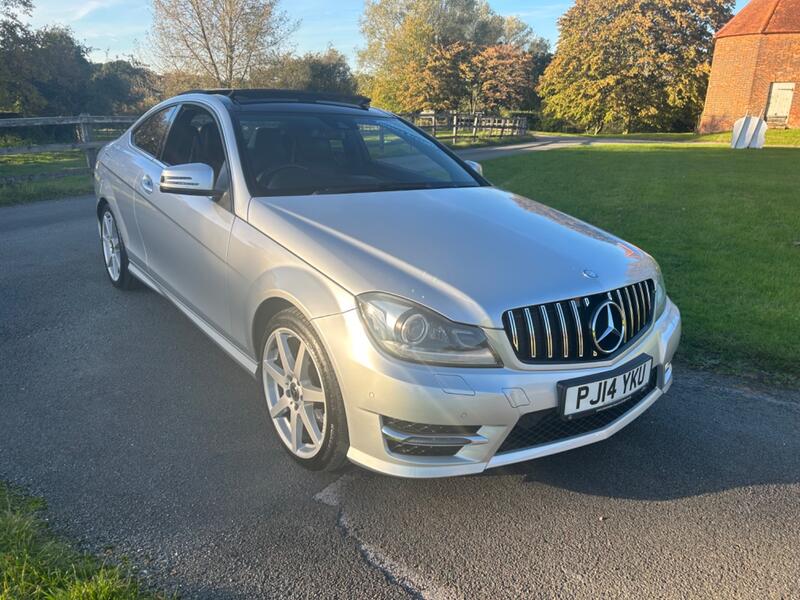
147 184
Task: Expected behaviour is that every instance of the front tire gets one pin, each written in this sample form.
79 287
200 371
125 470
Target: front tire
114 255
302 394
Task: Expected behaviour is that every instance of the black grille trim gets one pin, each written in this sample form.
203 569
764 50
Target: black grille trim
547 426
426 429
413 450
560 332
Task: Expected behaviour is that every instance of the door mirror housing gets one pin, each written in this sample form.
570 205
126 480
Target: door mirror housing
193 179
475 166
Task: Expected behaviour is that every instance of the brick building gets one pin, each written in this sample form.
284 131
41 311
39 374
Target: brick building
756 67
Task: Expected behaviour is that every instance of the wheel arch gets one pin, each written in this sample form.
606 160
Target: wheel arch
265 311
295 286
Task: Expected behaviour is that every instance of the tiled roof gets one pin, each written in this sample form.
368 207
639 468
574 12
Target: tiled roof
764 16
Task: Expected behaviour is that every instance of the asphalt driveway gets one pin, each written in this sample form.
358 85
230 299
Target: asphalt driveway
148 442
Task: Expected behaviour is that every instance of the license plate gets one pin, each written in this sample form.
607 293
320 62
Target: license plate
587 395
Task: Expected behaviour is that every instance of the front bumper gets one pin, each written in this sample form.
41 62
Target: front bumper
375 386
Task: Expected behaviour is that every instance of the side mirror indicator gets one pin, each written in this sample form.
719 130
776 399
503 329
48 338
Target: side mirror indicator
193 179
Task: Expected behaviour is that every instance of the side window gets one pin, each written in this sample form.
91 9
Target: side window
149 135
194 138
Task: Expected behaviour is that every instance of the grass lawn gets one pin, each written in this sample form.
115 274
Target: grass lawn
723 224
26 164
775 137
37 565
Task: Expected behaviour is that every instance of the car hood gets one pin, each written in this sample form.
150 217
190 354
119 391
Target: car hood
467 253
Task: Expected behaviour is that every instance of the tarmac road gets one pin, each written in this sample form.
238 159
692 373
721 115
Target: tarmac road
148 442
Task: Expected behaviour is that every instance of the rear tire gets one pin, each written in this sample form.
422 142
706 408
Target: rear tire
115 257
302 394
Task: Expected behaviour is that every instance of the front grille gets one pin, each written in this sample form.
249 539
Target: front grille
547 426
424 429
559 332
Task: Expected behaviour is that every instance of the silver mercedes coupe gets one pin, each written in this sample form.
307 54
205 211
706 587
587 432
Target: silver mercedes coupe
397 310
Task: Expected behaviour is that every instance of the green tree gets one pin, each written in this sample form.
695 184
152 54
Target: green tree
314 71
632 64
121 86
16 41
403 38
393 84
500 76
42 72
440 84
47 72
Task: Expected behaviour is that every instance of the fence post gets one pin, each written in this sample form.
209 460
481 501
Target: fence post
85 131
502 127
455 128
475 128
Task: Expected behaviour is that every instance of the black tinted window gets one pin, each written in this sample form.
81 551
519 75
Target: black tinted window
151 132
308 153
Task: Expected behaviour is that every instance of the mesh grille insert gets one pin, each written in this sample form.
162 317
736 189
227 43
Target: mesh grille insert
547 426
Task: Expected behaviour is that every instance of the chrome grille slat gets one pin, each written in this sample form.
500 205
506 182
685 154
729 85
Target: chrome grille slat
548 333
578 326
638 309
564 334
560 331
645 315
513 324
630 309
627 326
531 331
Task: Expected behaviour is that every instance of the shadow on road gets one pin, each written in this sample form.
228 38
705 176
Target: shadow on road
701 438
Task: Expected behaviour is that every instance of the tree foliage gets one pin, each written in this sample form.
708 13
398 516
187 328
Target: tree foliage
500 76
218 41
428 54
632 64
314 71
47 72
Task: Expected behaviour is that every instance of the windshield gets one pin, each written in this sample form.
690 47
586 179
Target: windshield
307 153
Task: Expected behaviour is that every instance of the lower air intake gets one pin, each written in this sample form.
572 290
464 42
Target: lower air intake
547 426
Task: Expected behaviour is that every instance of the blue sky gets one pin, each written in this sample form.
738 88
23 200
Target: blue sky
118 27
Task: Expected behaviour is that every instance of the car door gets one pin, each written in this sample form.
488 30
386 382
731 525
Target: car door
186 237
125 162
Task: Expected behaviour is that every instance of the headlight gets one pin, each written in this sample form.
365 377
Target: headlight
412 332
661 294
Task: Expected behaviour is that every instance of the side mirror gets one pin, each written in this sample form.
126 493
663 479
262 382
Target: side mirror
475 166
194 179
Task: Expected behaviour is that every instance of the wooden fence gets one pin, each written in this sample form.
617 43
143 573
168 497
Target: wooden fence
87 127
446 124
87 140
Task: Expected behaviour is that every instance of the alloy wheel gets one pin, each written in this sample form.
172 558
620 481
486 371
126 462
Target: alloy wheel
295 393
112 252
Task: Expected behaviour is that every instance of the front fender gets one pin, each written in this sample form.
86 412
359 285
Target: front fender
263 270
310 292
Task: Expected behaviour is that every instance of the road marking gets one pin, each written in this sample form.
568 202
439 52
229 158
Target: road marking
396 572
